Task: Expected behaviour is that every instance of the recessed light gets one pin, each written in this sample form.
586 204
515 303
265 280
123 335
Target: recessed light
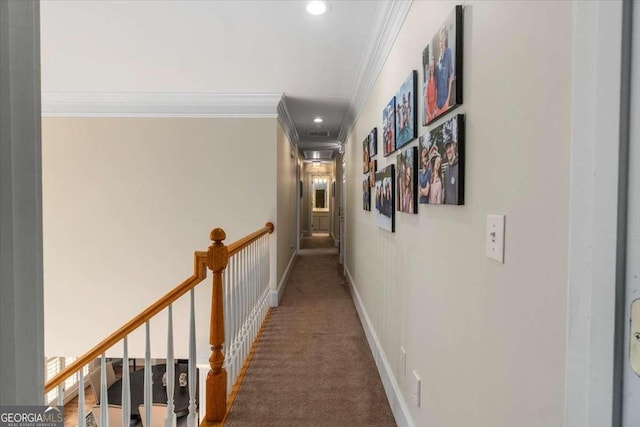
317 120
317 7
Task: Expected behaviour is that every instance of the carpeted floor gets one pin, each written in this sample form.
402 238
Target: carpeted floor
313 366
317 242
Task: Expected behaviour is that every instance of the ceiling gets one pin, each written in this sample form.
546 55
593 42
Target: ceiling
224 47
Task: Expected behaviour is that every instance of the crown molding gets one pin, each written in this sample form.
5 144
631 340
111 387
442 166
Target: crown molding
285 120
387 25
155 104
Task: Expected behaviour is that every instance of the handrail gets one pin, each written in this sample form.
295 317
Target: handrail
200 273
239 245
202 260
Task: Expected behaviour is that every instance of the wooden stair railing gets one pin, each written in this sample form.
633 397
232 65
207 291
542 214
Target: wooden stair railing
215 259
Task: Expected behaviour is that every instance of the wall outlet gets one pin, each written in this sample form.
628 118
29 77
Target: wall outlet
416 388
403 361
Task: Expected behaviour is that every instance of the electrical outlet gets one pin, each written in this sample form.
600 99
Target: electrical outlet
403 361
416 388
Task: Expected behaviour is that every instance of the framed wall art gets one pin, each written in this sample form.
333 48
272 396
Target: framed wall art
384 198
366 195
406 168
406 111
441 173
373 167
373 142
365 155
389 127
442 69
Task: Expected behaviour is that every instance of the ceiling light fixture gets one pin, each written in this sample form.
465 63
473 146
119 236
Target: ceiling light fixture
318 120
317 7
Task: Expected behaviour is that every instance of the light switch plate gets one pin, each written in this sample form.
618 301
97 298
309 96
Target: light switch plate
495 237
403 361
416 388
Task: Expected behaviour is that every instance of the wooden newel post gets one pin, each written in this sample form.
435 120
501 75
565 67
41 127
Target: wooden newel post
217 259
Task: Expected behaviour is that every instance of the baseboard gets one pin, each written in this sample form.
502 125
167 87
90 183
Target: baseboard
396 401
276 294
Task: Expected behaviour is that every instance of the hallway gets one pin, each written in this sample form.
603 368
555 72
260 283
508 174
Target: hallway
312 366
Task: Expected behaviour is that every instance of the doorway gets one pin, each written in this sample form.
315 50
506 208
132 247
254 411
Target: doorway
319 206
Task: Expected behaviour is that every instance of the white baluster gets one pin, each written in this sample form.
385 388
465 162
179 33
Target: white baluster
256 294
245 305
148 391
236 316
82 420
60 388
241 298
170 421
60 394
227 323
104 401
234 320
126 387
192 418
265 283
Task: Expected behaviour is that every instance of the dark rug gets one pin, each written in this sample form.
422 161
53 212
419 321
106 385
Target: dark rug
317 242
313 366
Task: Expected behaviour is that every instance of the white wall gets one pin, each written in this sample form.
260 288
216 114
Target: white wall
487 339
287 200
126 202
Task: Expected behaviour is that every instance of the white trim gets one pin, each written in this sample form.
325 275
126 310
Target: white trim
593 214
289 127
386 26
396 401
153 104
275 295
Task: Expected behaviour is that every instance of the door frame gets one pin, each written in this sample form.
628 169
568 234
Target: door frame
597 214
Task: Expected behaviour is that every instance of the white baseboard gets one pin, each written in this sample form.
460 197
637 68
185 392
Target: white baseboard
276 294
396 401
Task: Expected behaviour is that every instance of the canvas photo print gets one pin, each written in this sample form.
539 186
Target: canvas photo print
373 167
442 69
406 112
389 127
373 142
441 164
365 155
366 195
406 172
384 198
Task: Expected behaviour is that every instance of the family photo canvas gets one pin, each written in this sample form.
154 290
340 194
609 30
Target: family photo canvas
442 69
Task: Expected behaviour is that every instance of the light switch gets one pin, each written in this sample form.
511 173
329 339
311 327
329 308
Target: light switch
495 237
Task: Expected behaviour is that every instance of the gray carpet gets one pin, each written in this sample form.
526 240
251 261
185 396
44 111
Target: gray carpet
317 242
313 366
